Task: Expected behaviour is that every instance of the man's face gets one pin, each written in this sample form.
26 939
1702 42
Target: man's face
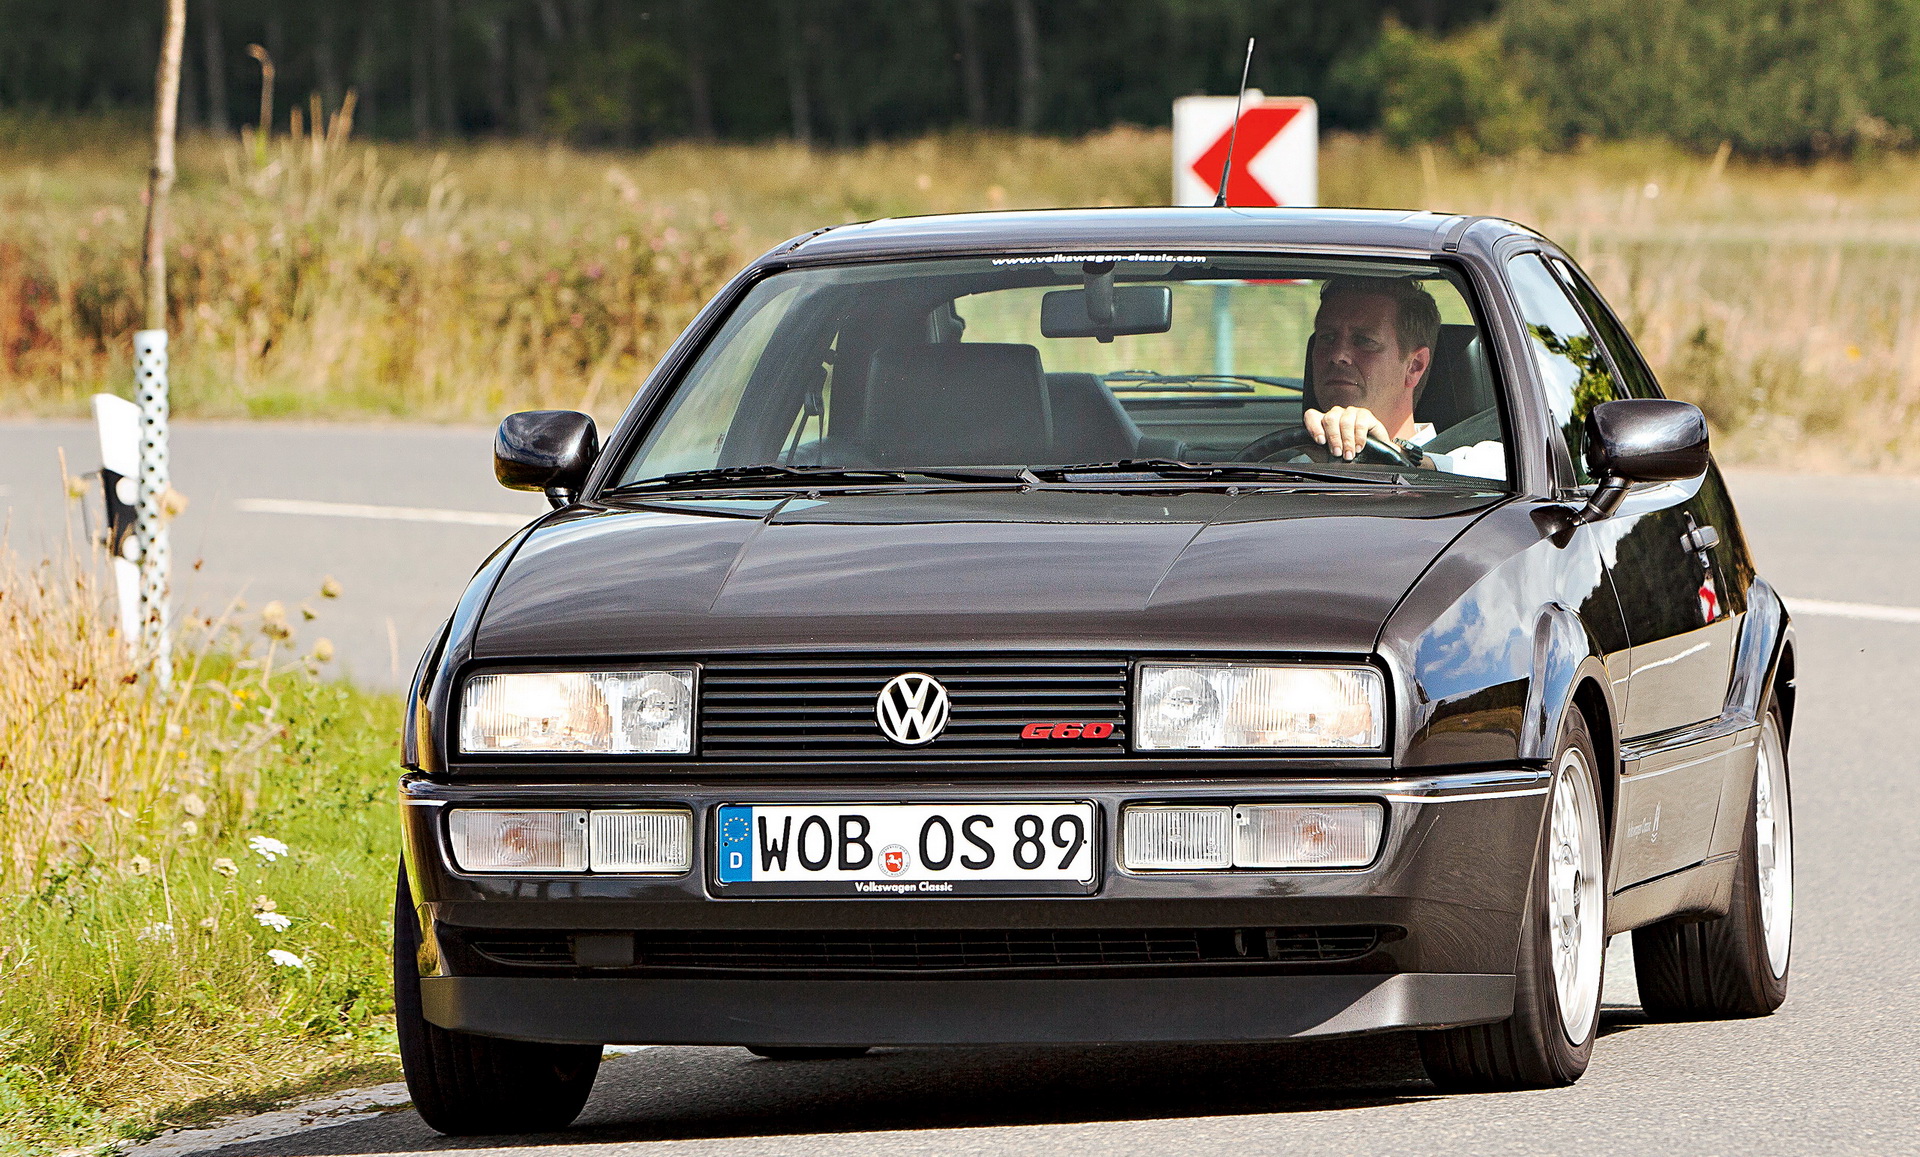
1357 359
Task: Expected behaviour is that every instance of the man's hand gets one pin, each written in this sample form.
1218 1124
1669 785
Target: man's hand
1344 430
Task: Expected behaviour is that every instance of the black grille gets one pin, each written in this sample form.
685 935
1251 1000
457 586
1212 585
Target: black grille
823 707
957 949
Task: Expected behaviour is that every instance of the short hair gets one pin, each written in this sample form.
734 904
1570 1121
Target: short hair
1416 317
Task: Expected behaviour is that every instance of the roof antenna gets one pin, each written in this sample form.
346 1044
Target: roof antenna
1226 170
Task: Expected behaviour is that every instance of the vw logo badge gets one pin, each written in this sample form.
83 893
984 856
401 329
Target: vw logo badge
912 708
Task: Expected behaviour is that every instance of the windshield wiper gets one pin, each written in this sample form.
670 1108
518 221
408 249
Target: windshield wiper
770 472
1235 383
1170 467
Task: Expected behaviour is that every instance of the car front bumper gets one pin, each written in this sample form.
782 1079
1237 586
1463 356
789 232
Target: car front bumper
961 1012
1447 891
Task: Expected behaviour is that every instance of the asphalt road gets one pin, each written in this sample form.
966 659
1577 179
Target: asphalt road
399 516
1833 1072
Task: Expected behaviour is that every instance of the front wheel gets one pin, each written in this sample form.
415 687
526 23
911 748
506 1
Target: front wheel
464 1084
1556 1004
1736 965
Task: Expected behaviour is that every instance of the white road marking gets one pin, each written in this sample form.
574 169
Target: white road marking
1873 612
388 513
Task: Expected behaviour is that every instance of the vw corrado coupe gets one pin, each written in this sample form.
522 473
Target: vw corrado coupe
1109 625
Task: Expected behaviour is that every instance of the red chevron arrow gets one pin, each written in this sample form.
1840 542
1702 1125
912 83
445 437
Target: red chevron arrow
1258 126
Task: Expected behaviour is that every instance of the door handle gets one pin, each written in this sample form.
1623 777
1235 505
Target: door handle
1700 539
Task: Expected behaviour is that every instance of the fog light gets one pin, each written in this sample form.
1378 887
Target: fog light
485 840
1177 837
658 842
1324 835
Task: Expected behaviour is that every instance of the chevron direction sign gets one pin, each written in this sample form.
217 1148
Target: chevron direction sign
1276 161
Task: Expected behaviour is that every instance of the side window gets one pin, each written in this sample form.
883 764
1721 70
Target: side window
1572 367
1639 380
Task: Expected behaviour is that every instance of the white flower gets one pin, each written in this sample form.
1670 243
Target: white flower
284 958
269 848
158 930
273 920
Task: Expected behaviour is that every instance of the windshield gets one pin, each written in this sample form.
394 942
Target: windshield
1025 367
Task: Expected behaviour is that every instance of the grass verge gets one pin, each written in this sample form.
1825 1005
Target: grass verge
194 905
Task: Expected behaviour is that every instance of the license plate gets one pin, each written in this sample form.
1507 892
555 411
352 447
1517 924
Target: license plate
906 850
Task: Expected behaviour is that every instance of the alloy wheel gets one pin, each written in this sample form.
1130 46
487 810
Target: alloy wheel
1773 847
1574 906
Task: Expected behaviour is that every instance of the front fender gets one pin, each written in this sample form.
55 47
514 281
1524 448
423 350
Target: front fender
1564 655
424 739
1495 639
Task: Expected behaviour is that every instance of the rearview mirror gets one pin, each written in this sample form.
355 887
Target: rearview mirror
1133 309
546 450
1641 440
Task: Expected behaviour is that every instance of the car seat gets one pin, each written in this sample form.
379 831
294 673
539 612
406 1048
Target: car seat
1090 424
957 404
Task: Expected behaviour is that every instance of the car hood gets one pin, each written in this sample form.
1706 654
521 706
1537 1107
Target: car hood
1268 569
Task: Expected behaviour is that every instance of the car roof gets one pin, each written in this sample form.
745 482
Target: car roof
1125 231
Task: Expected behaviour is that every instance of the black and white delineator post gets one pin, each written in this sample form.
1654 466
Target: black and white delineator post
118 422
156 558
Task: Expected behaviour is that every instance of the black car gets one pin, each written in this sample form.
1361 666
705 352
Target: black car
1107 625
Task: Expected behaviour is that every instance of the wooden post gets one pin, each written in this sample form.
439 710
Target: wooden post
166 112
266 94
150 360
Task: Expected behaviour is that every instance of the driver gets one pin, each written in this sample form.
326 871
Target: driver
1373 342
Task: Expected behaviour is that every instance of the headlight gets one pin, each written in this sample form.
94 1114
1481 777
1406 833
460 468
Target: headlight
1222 707
579 712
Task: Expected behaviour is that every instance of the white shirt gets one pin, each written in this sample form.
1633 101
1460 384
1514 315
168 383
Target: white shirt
1481 460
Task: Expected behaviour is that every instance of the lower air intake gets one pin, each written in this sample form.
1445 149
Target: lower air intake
955 950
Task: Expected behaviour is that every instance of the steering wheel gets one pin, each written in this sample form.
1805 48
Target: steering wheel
1298 440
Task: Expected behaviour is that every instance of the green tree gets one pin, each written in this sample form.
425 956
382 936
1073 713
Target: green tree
1779 77
1458 89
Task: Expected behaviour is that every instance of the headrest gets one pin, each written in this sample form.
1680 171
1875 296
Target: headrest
1089 423
958 404
1458 384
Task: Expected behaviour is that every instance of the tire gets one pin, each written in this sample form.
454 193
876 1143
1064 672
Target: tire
1547 1041
464 1084
785 1053
1737 965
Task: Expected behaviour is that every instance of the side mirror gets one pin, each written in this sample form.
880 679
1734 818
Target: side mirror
1641 440
546 450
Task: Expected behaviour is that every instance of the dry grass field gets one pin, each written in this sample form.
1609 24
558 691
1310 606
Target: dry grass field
321 277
